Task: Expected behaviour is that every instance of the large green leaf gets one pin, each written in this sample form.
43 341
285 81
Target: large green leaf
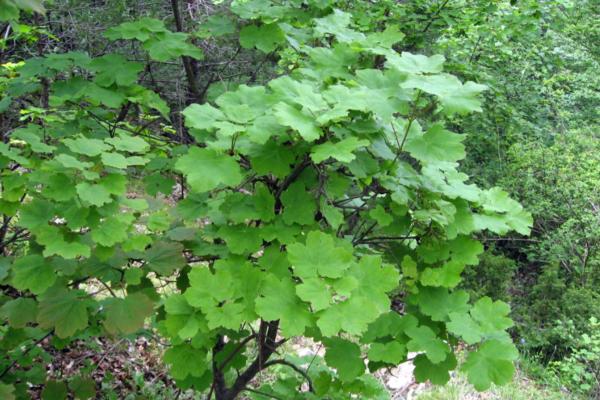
345 357
491 363
205 169
33 273
266 37
127 315
63 310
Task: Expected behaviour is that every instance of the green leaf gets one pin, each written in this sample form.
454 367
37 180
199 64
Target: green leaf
336 24
341 151
436 145
59 187
127 315
415 63
298 120
216 25
390 353
112 230
186 361
114 68
115 184
205 169
380 41
8 12
165 46
487 319
19 312
448 275
108 97
54 390
463 325
83 388
94 194
345 357
367 300
68 161
438 374
115 160
299 206
301 93
31 5
383 219
322 255
491 315
141 29
128 143
272 158
216 294
455 96
33 136
159 222
55 244
165 257
6 390
263 128
466 250
315 292
266 37
134 276
491 363
63 311
333 216
241 239
424 339
438 303
202 116
245 104
33 273
279 301
36 214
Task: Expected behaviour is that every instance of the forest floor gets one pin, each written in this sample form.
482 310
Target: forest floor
127 370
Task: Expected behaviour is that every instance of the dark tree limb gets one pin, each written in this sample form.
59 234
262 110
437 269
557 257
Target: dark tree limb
187 62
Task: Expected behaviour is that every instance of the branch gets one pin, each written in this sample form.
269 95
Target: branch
292 176
218 385
40 340
294 367
236 351
435 15
272 396
187 64
385 238
265 351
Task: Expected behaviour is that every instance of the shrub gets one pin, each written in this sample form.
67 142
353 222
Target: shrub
301 207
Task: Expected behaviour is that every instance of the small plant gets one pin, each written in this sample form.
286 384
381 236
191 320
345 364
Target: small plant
580 371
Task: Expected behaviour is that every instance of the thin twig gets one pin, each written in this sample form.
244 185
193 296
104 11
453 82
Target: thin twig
294 367
40 340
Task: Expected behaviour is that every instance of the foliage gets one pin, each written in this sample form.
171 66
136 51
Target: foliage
562 178
493 277
522 388
232 216
579 371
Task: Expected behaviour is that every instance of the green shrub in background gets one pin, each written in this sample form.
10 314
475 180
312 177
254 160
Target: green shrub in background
560 183
579 371
493 277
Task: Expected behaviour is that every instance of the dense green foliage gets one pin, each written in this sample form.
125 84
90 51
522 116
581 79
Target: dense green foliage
235 177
